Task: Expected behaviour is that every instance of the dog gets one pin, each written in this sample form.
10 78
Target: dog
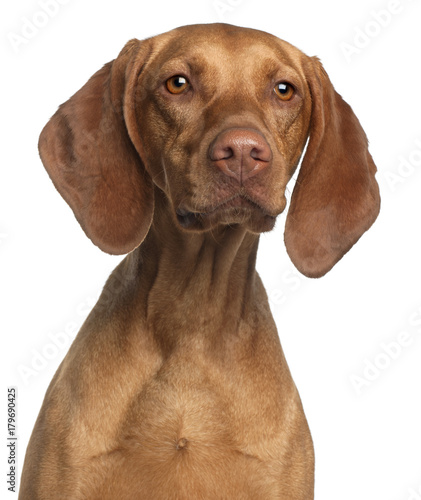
178 153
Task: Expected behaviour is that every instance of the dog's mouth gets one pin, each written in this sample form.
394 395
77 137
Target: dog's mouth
238 209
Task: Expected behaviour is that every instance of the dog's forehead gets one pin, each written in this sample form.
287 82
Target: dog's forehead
220 44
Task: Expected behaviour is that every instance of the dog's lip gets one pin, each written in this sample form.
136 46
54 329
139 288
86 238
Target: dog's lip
239 201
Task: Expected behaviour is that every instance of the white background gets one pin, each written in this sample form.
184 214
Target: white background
367 441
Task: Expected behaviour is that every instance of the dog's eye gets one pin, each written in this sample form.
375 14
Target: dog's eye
177 84
284 91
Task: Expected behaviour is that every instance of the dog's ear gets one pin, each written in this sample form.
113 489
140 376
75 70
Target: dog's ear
336 197
93 163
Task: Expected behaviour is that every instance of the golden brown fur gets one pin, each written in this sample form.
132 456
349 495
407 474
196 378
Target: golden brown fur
176 387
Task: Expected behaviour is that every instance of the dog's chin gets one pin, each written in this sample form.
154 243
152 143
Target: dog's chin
236 211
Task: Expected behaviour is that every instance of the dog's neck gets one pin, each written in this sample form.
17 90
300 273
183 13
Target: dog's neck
182 282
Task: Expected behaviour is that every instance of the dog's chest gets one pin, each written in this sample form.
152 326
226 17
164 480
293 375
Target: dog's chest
198 434
190 405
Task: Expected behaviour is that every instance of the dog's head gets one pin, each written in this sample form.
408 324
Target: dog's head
217 118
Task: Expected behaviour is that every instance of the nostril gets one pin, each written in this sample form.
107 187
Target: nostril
261 152
226 153
219 151
256 153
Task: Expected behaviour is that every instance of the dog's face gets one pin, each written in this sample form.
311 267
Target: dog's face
216 117
222 120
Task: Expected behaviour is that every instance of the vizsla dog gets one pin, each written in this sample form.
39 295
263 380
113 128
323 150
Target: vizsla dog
178 153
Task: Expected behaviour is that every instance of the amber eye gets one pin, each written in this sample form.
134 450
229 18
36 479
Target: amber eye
177 84
284 91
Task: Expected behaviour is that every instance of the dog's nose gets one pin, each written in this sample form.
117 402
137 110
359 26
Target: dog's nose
240 153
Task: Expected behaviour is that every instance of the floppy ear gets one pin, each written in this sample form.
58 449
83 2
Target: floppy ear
92 162
336 197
